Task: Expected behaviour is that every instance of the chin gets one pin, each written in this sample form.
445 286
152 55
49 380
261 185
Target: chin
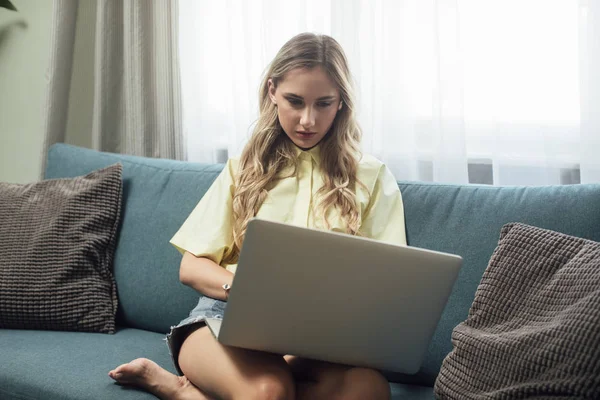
306 145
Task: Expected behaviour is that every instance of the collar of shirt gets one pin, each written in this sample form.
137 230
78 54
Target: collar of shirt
314 153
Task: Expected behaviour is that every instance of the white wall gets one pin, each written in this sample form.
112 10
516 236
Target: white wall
24 57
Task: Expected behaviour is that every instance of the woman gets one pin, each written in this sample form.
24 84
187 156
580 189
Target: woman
301 166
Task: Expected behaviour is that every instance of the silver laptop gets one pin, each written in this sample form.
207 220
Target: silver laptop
335 297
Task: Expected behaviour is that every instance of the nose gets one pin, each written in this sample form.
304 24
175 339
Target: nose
307 119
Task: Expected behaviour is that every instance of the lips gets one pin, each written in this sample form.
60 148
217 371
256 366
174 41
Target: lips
305 135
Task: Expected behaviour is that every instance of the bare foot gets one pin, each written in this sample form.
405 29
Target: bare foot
148 375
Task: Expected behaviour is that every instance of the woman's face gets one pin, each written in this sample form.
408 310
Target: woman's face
307 102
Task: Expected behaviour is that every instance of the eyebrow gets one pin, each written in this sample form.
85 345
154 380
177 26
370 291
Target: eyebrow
295 96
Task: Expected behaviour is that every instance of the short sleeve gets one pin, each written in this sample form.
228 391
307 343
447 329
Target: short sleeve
384 218
208 230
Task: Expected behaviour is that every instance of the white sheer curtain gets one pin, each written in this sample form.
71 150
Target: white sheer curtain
590 90
484 91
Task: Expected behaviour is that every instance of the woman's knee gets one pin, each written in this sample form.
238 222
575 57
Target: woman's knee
364 383
227 372
271 386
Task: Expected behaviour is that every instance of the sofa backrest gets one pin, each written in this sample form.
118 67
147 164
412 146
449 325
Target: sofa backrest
460 219
466 220
158 195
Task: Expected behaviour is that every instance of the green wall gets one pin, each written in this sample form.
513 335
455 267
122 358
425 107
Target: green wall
24 57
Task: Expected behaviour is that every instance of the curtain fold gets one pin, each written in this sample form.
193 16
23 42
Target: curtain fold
114 77
64 19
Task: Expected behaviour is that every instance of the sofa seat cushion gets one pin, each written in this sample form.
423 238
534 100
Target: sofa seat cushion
49 365
52 365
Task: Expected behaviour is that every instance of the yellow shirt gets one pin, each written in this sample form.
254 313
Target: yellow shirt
207 232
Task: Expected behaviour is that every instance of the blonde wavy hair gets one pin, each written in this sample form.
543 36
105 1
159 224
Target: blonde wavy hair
269 150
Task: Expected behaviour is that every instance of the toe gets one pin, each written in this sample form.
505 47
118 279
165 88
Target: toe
119 368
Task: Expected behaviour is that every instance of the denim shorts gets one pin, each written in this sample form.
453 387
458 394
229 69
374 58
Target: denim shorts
207 308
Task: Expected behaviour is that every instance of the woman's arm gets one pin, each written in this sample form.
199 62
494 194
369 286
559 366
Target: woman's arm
204 276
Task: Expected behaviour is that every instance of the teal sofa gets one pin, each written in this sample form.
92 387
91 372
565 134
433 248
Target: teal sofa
159 194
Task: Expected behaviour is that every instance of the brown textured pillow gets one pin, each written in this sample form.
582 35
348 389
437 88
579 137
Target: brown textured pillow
534 327
57 239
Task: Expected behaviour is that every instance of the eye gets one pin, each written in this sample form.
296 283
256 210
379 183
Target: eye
294 102
324 104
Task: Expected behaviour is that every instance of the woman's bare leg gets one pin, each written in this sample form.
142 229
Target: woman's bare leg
232 373
224 372
149 376
212 370
323 380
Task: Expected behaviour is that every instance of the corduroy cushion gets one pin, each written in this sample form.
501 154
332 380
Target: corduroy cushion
57 239
534 327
